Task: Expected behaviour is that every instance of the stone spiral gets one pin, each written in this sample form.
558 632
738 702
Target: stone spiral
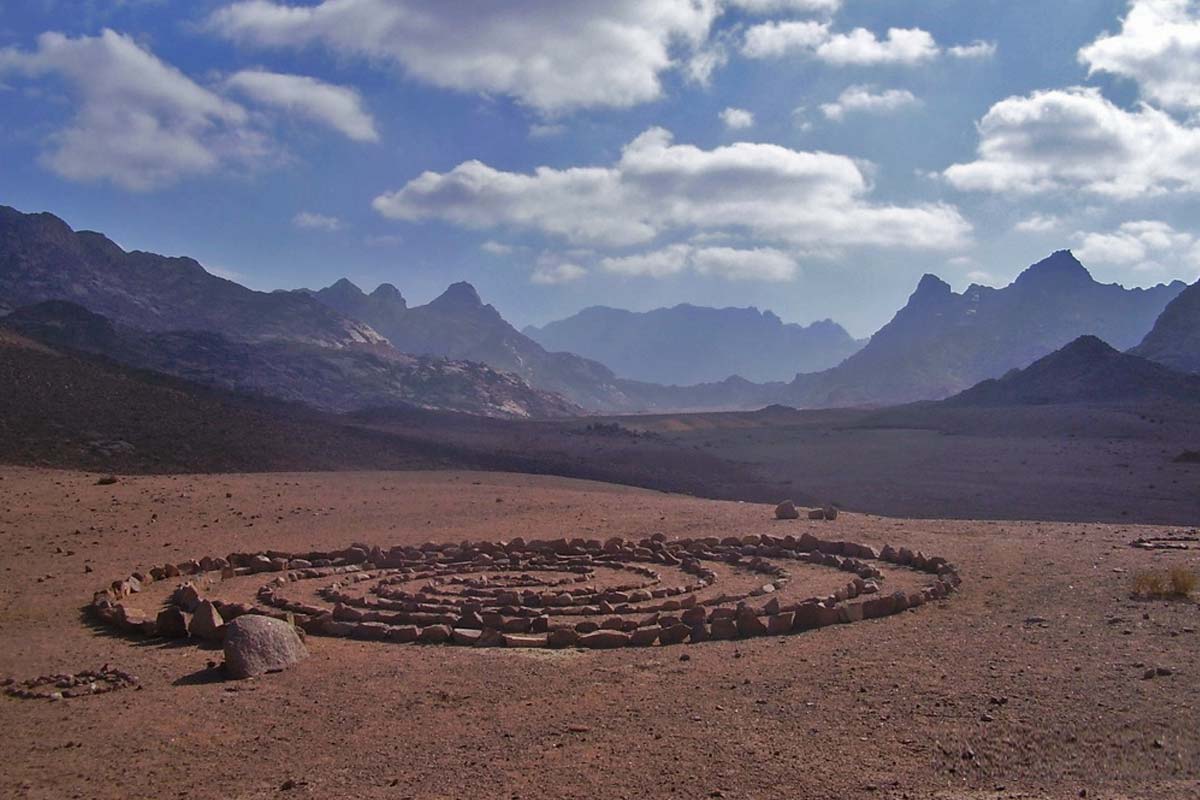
560 593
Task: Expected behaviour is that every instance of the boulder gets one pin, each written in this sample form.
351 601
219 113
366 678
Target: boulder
604 639
207 623
435 634
748 624
786 510
562 637
724 629
674 634
171 623
830 512
781 623
816 513
255 644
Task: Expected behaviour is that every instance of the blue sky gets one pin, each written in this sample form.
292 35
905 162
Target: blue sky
814 157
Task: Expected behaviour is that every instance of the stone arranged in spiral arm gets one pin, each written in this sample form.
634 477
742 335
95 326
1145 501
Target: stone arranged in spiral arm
560 593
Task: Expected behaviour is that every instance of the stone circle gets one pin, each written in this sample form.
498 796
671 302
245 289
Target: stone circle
583 593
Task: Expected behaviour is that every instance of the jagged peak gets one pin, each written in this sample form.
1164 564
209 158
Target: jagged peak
388 292
931 286
1059 265
344 286
458 295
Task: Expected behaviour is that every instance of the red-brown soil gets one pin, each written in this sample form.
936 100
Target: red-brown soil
1028 683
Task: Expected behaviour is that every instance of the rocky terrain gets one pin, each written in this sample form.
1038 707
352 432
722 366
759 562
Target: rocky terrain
349 378
687 345
1175 339
1016 686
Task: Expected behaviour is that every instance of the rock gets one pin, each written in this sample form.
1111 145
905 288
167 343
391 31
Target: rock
255 644
435 634
604 639
207 623
830 513
748 624
562 637
674 634
724 629
187 597
525 640
172 623
786 510
644 637
781 623
816 513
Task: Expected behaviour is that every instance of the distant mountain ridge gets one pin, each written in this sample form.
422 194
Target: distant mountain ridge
942 342
330 379
1175 338
688 344
42 258
1087 370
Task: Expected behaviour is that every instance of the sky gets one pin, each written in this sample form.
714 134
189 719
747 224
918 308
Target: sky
812 157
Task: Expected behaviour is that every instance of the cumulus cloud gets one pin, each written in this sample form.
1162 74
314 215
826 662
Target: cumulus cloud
494 248
866 100
737 119
783 6
551 272
974 50
1075 139
1158 47
1038 223
808 199
552 55
734 264
338 107
1144 245
316 222
859 47
138 122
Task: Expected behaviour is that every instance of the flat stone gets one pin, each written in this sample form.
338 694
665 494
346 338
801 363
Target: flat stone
604 639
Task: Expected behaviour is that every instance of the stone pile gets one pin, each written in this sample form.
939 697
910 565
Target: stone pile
78 684
560 593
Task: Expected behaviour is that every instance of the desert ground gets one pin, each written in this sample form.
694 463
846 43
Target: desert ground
1027 683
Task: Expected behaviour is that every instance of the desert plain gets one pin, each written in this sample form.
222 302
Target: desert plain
1029 682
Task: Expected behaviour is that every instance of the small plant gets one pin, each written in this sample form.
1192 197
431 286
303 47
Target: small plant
1177 582
1183 581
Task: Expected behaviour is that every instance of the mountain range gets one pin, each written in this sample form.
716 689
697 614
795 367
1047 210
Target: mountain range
341 349
943 342
688 344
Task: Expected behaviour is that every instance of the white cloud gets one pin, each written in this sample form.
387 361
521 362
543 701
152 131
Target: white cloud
1076 140
734 264
552 55
655 264
494 248
859 47
138 122
338 107
316 222
780 6
737 119
1038 223
977 50
549 272
800 119
864 99
546 130
758 264
1144 245
981 276
1158 47
806 199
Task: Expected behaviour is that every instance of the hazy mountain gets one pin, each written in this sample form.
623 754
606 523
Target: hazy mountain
458 325
1085 371
333 379
690 344
942 342
41 258
1175 338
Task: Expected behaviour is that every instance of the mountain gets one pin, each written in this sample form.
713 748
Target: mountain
458 325
689 344
1085 371
1175 338
333 379
42 258
942 342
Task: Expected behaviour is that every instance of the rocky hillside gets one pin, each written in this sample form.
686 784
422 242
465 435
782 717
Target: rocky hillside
1175 339
942 342
41 258
689 344
333 379
1085 371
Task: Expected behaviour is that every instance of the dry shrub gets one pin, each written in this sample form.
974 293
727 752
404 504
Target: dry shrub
1183 581
1178 582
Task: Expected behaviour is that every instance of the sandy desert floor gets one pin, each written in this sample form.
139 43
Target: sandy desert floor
1026 684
